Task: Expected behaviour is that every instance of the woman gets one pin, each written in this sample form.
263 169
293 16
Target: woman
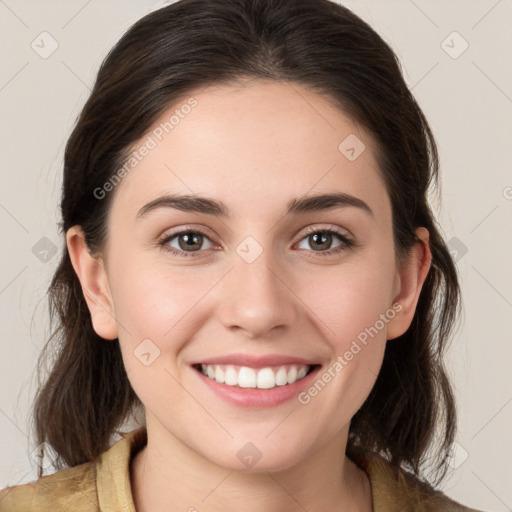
251 263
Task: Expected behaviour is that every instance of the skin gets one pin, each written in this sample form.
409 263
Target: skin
254 146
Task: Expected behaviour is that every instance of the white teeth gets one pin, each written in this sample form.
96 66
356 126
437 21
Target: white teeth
263 378
266 379
292 375
281 377
246 377
219 374
231 376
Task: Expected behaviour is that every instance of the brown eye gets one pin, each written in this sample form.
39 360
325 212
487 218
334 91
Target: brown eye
321 241
189 242
192 241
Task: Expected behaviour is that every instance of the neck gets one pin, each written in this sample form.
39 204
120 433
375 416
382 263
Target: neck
167 475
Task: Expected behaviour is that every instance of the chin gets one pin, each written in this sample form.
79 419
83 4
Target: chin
250 459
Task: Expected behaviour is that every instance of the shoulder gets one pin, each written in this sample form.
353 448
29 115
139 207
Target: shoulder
394 488
74 487
18 497
96 485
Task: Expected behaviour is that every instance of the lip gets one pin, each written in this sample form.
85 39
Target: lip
254 398
252 361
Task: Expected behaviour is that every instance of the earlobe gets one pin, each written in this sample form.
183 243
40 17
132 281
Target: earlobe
93 279
410 280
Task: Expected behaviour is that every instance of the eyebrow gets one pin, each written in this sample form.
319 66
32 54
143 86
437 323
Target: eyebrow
193 203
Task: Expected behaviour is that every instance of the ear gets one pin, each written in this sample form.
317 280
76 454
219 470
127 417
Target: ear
410 279
93 278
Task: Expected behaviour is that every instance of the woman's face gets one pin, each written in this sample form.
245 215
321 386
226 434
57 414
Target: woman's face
264 279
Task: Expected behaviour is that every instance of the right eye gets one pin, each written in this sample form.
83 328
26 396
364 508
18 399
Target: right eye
186 239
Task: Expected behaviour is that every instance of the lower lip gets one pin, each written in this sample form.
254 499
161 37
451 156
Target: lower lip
255 398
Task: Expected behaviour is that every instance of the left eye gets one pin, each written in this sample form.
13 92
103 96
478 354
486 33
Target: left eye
323 239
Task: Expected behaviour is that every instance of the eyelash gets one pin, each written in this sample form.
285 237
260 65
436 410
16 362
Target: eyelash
347 243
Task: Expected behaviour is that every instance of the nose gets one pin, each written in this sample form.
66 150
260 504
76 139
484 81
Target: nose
257 297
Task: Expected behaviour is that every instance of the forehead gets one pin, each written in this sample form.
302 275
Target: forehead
251 143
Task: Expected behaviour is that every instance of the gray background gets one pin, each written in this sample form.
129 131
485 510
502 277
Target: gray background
467 98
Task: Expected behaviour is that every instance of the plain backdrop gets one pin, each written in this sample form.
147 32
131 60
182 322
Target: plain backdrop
456 58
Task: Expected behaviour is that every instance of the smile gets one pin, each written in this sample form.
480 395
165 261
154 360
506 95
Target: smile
260 378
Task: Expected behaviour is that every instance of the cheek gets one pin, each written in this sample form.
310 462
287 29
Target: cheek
350 299
353 312
150 299
156 307
159 309
353 307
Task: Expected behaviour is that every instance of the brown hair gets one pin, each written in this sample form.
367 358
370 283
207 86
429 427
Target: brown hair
194 43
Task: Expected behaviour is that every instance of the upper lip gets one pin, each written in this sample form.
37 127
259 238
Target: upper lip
256 361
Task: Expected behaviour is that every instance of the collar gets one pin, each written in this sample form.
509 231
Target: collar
390 485
113 472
